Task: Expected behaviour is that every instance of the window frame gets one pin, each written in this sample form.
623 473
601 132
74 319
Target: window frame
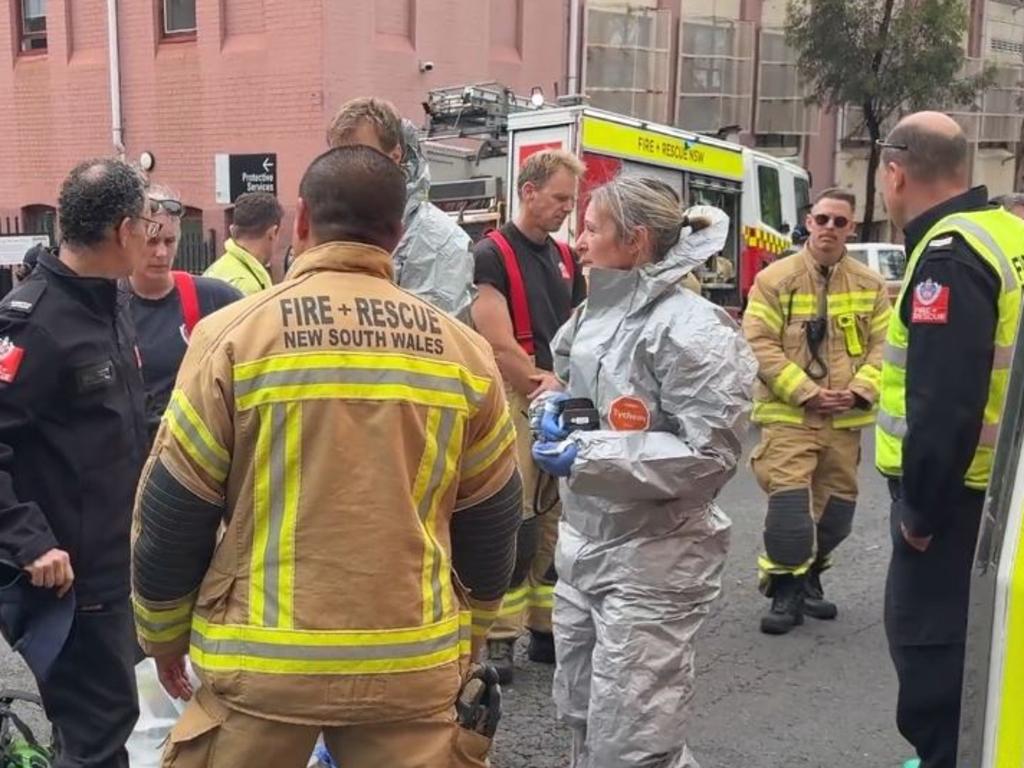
24 34
776 223
177 34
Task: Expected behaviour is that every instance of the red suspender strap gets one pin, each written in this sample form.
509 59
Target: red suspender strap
570 265
186 286
517 292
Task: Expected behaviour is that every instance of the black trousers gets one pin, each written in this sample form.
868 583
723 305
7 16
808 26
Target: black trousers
928 707
926 623
90 695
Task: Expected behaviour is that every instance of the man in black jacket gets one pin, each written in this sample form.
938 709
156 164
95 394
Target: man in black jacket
72 444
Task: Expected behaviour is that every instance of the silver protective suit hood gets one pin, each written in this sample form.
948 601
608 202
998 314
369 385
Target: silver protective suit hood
433 260
642 544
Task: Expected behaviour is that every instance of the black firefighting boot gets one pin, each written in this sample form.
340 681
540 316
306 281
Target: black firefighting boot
787 609
500 655
541 648
815 604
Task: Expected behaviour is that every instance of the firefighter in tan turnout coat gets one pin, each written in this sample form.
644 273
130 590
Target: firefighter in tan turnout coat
355 445
816 321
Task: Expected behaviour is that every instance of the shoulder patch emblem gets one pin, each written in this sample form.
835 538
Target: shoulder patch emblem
930 303
941 242
629 414
10 360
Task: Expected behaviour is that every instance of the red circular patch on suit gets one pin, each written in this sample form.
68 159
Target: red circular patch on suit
629 414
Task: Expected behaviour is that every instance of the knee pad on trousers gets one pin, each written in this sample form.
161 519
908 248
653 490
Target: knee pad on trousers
526 549
835 524
789 528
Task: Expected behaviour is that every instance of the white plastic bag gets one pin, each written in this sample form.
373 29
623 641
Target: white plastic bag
158 713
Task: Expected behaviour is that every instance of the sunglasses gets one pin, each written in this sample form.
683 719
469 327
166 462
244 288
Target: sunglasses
883 144
168 206
822 220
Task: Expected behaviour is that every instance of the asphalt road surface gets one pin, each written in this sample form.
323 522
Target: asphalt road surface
823 696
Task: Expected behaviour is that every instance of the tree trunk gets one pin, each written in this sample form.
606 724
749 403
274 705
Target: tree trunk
874 134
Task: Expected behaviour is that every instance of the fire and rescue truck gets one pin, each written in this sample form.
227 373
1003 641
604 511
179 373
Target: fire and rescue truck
765 196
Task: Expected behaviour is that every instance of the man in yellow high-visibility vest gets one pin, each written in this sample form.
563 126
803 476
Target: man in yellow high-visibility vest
944 377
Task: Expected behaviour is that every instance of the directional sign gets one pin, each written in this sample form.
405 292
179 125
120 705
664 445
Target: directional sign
236 175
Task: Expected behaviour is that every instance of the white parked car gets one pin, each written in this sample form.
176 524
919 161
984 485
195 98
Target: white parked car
888 259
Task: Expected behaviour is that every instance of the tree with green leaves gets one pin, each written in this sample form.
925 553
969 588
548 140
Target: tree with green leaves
886 57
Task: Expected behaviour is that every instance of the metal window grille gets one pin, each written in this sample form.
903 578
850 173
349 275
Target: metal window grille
781 96
179 17
626 68
716 74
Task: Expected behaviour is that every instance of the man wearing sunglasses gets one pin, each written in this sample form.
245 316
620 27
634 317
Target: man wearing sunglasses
72 444
166 304
947 360
816 321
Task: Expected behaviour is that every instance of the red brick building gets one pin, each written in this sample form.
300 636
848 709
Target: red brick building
201 77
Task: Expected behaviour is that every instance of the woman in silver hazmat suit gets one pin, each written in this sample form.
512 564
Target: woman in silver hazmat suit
641 543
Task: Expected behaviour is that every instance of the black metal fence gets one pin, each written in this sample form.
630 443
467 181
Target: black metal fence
196 253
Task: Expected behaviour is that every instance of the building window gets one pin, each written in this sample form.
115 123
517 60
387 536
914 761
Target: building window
715 82
179 17
33 25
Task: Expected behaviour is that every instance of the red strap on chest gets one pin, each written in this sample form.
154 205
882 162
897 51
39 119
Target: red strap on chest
521 323
186 286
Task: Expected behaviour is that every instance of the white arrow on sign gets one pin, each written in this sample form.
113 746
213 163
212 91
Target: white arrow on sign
267 165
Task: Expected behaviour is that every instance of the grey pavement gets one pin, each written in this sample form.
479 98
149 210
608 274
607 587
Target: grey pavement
822 696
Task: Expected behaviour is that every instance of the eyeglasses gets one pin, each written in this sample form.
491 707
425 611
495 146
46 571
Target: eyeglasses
883 144
168 206
822 220
152 227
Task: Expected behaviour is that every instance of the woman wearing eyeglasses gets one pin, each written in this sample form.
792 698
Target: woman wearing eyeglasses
641 544
816 321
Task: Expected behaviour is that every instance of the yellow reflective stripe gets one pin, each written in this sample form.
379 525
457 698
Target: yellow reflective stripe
1009 740
852 302
789 381
881 321
766 566
482 455
854 419
870 375
542 596
361 376
261 516
798 304
278 473
195 438
514 601
161 625
777 413
765 313
339 652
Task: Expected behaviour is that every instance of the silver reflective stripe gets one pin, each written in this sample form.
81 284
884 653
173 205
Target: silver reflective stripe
153 628
272 554
989 435
215 462
1002 357
1009 276
444 436
251 648
892 425
895 355
339 375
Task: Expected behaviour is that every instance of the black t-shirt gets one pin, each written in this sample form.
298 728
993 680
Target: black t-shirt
160 327
548 292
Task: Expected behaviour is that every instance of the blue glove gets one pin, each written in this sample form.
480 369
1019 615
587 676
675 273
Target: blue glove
555 458
545 420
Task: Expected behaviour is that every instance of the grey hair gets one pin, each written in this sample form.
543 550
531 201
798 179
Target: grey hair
96 197
1012 200
156 191
633 202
